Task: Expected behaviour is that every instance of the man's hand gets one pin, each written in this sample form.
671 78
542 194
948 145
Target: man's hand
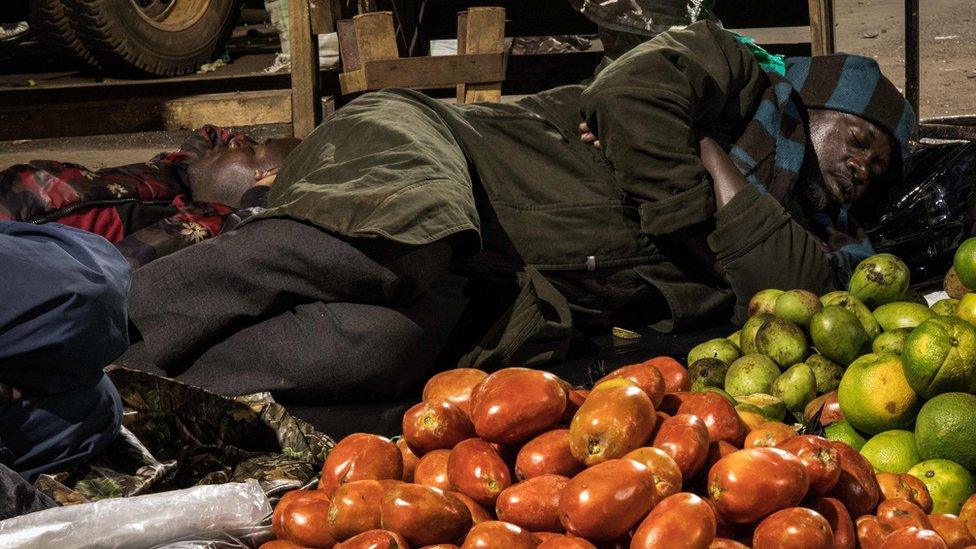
265 178
9 394
588 137
727 181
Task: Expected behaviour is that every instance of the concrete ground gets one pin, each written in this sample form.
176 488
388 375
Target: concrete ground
867 27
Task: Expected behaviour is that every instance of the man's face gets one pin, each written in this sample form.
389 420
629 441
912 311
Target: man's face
223 173
851 153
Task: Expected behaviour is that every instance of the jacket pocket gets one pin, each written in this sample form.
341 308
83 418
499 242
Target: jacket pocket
534 331
684 209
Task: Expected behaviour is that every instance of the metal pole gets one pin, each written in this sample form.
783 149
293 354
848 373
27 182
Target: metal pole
911 54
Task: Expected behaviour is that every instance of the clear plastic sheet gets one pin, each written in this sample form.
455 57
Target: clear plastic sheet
644 17
925 217
219 516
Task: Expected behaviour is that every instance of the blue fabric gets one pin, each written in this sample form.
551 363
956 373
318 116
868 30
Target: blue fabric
855 85
63 314
46 433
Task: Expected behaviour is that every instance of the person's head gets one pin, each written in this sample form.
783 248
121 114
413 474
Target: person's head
859 127
222 174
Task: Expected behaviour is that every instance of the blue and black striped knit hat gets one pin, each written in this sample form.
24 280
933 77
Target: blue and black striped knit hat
855 85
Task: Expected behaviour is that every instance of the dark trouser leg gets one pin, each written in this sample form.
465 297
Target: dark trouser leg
333 353
285 307
39 434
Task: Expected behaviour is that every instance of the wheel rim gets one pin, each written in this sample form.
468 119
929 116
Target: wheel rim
171 15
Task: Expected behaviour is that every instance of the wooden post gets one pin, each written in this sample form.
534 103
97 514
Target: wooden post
306 104
821 26
375 36
481 30
912 79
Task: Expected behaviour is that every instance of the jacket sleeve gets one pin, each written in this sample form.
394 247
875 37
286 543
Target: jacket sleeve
63 316
761 246
192 223
650 107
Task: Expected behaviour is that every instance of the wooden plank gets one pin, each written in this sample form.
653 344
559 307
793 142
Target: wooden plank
306 101
821 26
227 109
322 16
375 37
484 33
462 40
425 73
114 116
348 50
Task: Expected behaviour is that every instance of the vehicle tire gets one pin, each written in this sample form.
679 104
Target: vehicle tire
50 24
153 37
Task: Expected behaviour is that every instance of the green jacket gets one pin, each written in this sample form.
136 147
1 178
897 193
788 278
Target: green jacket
591 234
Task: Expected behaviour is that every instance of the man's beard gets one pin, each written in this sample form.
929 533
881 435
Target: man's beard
811 191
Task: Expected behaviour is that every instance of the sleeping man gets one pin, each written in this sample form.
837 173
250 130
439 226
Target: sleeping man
406 235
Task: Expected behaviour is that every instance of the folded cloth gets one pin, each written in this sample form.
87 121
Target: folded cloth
53 432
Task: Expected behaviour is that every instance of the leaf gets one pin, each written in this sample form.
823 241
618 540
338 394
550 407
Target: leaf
98 488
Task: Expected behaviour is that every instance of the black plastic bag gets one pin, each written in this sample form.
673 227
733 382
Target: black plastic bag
925 217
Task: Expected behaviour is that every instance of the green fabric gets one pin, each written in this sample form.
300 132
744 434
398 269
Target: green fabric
768 61
604 228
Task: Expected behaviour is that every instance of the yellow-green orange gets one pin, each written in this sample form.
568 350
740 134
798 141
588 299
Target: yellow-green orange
964 263
797 306
945 307
891 342
754 373
720 348
771 407
796 386
966 309
763 302
949 484
940 356
875 396
826 372
841 431
946 428
860 310
747 337
892 451
879 279
837 334
782 341
901 314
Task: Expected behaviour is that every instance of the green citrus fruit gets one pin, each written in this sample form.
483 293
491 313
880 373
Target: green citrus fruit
966 309
797 306
854 305
826 372
842 431
734 338
837 334
879 279
750 374
964 263
707 372
875 396
796 386
940 356
949 484
945 307
747 337
763 302
720 348
892 451
901 314
772 408
892 342
945 428
782 341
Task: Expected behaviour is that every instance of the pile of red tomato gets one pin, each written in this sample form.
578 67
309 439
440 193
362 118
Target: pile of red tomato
521 459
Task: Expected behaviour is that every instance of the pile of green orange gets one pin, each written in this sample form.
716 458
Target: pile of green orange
888 374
